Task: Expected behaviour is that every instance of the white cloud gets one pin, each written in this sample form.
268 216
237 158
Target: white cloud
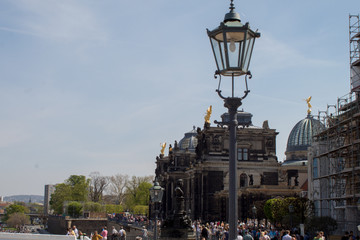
273 55
58 20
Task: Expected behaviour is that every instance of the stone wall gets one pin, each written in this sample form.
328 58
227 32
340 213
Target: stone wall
59 224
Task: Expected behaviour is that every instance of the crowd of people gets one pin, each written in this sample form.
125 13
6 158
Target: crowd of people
104 234
212 231
220 231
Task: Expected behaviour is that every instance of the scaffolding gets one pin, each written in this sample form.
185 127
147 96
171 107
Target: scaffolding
336 150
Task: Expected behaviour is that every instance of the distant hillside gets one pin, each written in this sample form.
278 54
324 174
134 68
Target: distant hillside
25 198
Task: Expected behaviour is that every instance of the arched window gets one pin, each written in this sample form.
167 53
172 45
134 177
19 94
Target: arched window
243 180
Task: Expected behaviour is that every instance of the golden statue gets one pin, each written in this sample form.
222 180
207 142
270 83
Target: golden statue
309 105
163 146
208 114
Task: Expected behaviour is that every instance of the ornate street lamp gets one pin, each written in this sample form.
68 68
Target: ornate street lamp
291 211
156 194
232 44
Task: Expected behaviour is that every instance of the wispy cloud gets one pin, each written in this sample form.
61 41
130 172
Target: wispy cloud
57 20
279 55
13 30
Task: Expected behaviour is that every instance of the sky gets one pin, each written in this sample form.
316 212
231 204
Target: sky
95 86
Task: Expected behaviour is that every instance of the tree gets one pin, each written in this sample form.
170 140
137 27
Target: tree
75 188
141 210
61 194
277 210
117 187
98 184
111 208
137 191
75 209
93 207
14 208
17 219
79 187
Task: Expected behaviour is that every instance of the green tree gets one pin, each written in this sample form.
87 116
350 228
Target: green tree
75 209
14 208
141 209
137 192
61 195
112 208
277 210
75 188
93 207
79 187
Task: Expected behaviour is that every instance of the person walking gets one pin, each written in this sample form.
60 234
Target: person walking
96 236
114 233
144 233
76 231
122 233
287 235
104 233
247 235
226 233
204 232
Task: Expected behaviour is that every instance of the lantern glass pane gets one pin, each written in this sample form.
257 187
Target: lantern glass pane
218 52
247 54
152 194
233 52
161 195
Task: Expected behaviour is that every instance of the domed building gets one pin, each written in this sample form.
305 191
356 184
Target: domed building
201 160
300 139
190 141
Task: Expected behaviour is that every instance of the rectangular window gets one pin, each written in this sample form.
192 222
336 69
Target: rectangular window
239 154
243 154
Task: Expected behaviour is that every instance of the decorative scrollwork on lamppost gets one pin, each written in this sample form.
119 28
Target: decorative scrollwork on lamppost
232 44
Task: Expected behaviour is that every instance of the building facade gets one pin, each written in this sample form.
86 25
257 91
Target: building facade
201 159
49 189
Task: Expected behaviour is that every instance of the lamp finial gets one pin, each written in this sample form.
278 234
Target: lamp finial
232 5
232 15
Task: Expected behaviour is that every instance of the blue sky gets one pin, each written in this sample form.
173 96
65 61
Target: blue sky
92 85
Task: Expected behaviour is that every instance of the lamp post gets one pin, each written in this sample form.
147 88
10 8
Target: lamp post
291 211
254 214
156 194
232 43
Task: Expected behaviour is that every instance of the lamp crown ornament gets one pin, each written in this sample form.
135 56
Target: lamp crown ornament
232 15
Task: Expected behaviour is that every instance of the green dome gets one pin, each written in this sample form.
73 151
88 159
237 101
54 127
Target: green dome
301 135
